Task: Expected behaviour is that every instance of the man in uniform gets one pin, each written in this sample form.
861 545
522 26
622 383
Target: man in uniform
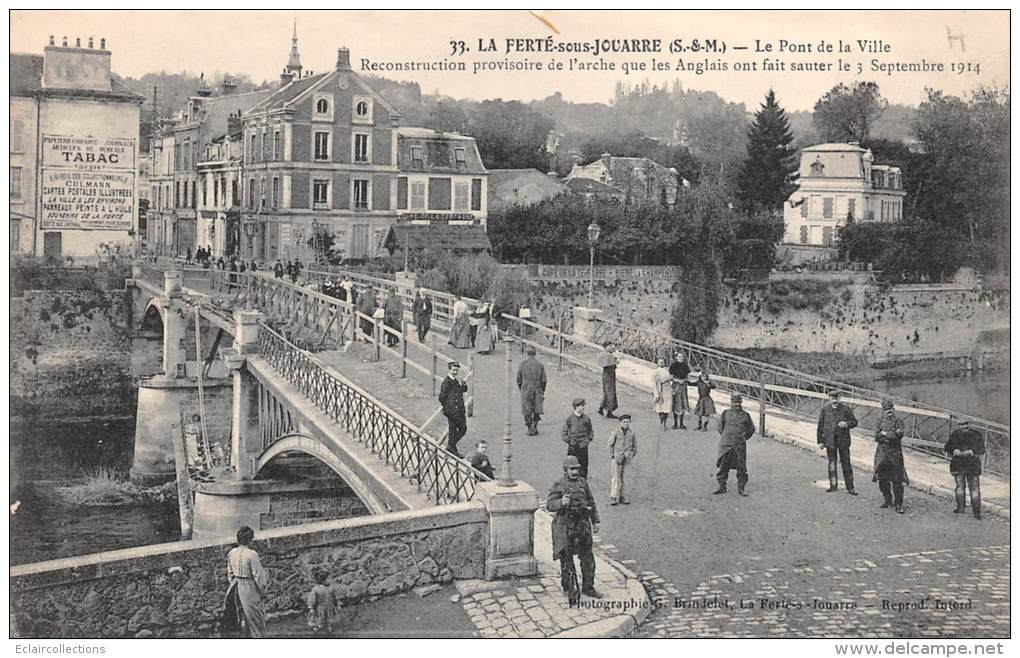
451 396
735 428
834 425
531 382
966 447
576 519
577 434
422 312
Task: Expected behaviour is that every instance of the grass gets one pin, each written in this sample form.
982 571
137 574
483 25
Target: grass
101 486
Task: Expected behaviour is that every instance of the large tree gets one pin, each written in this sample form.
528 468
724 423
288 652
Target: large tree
846 114
766 176
511 135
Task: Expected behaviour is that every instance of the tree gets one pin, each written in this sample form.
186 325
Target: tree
766 176
511 135
846 114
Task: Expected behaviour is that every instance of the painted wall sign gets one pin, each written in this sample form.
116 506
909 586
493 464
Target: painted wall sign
88 183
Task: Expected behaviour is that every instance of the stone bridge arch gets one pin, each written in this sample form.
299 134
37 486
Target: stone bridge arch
309 445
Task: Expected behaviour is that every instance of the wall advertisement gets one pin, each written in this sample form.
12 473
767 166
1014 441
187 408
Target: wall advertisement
88 183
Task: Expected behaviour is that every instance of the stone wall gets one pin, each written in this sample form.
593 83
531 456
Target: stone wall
177 590
297 507
70 354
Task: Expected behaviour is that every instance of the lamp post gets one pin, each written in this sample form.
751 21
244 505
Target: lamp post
505 478
315 240
594 230
250 229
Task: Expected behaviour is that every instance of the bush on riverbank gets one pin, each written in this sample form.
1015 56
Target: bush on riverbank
107 486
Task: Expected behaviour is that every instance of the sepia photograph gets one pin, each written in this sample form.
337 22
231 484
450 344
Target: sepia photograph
406 324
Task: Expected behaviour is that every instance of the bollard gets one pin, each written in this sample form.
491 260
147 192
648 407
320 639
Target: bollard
377 335
403 349
435 363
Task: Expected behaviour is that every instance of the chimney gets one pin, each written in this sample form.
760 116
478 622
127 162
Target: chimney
343 59
102 43
76 68
229 85
234 125
52 42
286 78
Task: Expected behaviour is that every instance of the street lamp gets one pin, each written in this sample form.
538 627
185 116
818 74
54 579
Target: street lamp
594 230
505 478
249 230
315 240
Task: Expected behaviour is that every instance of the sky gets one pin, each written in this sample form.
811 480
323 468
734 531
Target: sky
257 43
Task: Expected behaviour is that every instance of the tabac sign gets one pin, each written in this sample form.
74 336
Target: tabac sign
88 183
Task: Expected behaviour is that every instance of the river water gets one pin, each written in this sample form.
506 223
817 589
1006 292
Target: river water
985 394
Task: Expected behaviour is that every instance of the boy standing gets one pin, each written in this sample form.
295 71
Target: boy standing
577 434
622 451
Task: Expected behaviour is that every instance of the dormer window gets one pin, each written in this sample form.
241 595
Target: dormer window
322 106
416 154
460 156
817 168
362 109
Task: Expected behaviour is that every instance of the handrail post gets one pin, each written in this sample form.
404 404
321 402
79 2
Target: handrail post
471 386
761 405
435 363
559 340
376 334
403 349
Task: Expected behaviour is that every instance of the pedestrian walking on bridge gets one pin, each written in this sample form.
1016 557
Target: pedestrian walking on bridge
834 424
608 359
577 434
966 447
531 382
662 393
622 451
735 428
422 311
890 471
576 519
451 396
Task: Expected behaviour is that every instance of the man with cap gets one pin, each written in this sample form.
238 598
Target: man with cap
966 446
622 451
735 428
890 471
576 519
531 381
451 396
834 424
577 434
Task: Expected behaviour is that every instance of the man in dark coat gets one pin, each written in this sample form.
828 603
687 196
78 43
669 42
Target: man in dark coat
608 359
890 471
422 311
366 306
451 396
966 447
531 381
577 434
278 269
735 428
834 424
393 317
576 519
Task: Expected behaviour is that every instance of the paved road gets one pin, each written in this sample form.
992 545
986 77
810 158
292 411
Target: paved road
790 541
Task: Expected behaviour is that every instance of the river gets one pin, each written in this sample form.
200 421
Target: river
985 394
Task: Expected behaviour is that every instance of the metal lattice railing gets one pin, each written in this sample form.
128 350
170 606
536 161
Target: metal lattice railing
439 475
804 394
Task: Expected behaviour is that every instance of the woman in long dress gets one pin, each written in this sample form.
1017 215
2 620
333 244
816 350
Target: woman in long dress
248 581
679 370
460 332
705 406
485 339
608 360
663 395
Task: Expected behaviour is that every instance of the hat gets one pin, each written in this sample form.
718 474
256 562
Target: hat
736 399
624 416
887 403
453 364
577 402
571 462
530 349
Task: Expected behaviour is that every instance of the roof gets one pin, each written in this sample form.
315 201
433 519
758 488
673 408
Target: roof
521 186
25 73
835 147
219 108
285 95
580 185
438 155
445 237
836 163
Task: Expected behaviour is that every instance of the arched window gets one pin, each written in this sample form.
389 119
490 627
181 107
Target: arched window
361 109
322 106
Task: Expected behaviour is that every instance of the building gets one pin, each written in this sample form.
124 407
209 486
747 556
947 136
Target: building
641 180
509 187
320 156
159 218
592 190
442 178
837 182
74 153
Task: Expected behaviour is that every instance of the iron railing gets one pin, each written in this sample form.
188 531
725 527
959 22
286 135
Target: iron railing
805 394
437 474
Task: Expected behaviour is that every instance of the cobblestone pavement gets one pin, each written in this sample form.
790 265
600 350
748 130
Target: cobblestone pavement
959 593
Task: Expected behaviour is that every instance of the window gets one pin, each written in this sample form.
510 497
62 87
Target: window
251 149
460 156
416 154
476 194
266 146
17 138
418 196
360 191
277 146
194 194
827 207
851 208
461 197
16 182
16 235
262 192
320 193
322 146
827 236
251 191
361 109
276 192
205 194
322 106
360 147
803 234
803 207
